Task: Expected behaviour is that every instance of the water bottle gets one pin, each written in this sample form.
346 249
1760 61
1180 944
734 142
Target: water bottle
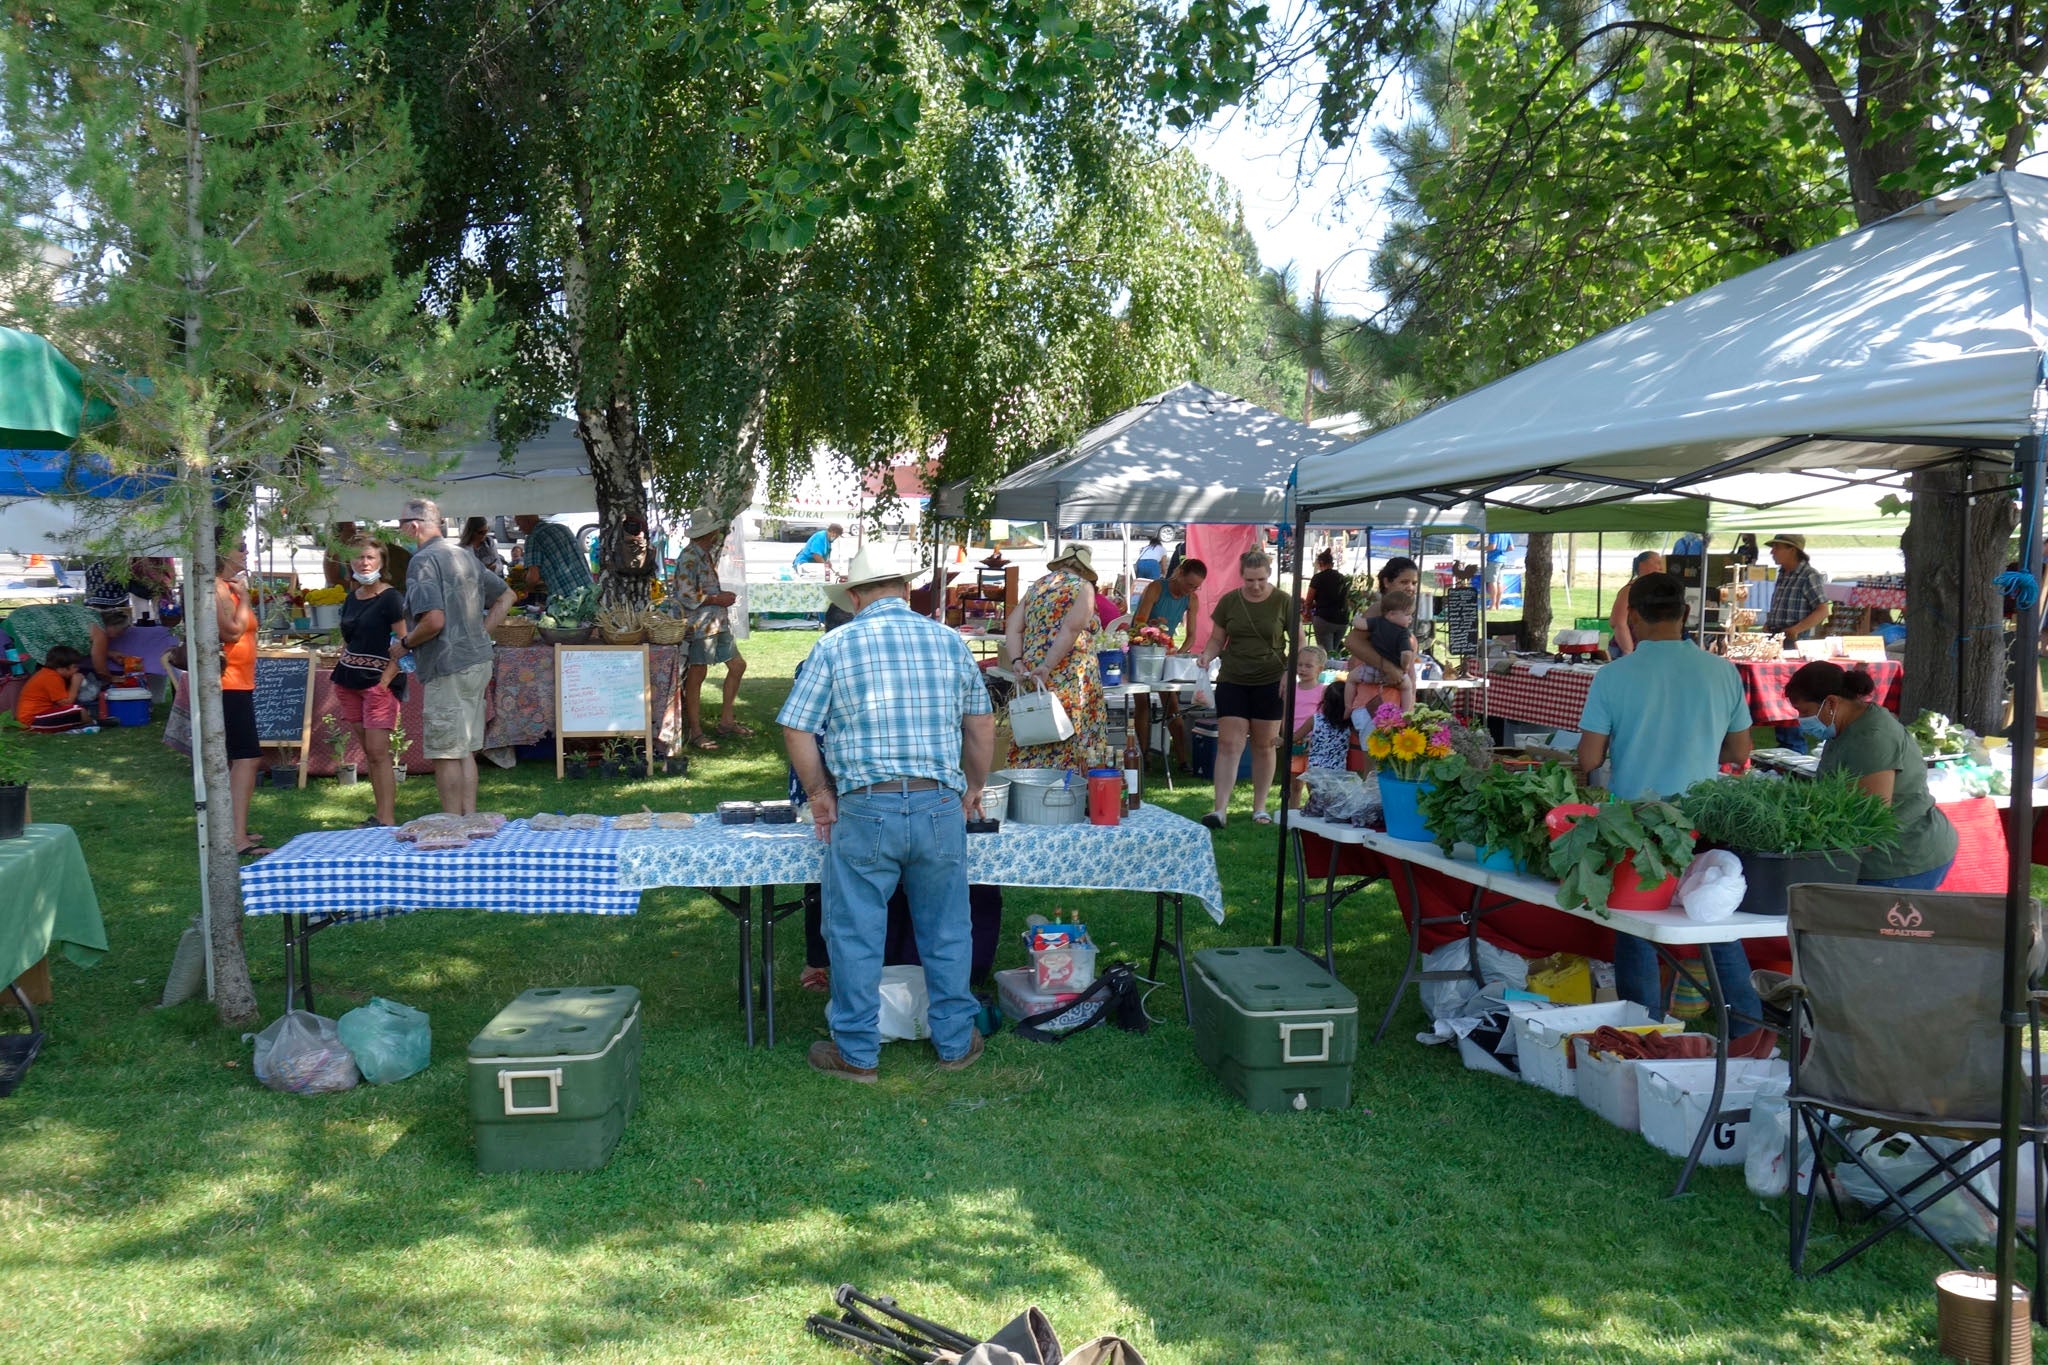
406 661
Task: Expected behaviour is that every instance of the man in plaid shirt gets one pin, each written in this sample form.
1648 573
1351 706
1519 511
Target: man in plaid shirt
1799 604
552 553
894 703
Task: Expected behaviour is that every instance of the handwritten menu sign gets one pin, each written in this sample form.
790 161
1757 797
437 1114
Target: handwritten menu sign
284 701
602 691
1461 614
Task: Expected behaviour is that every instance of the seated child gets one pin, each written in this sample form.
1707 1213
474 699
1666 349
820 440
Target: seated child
1329 740
49 700
1393 638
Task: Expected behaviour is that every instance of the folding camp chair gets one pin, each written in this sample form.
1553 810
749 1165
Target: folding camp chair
1895 1002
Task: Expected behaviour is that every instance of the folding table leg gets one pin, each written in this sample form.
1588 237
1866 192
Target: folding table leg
745 913
1180 955
306 928
1414 951
1300 894
768 960
1718 1003
1330 913
291 961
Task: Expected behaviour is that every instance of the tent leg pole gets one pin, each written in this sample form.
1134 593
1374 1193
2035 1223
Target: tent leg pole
1284 772
2027 462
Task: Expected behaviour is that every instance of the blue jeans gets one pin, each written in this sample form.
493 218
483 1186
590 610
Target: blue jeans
919 839
1919 881
1635 978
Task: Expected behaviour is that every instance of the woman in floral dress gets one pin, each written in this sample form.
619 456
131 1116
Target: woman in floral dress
1051 638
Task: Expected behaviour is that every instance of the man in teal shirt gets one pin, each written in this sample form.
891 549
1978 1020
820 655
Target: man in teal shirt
1663 717
818 549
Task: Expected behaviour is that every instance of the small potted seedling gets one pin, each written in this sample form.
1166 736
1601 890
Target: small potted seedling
14 775
399 740
337 741
284 776
675 765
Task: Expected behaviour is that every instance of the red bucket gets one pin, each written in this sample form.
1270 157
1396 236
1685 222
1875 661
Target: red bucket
1105 796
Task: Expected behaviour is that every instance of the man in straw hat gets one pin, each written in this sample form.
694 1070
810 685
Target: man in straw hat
893 702
706 605
454 603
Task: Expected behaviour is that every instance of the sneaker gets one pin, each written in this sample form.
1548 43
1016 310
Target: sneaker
825 1057
1213 820
82 730
965 1059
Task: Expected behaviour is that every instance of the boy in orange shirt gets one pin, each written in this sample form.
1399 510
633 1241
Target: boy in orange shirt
49 700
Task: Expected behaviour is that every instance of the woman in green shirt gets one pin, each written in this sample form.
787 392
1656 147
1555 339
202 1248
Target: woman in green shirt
1867 742
1249 633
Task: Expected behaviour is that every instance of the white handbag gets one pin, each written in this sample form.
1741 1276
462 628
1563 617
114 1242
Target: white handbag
1037 716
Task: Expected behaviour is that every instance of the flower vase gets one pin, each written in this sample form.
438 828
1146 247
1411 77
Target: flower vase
1398 798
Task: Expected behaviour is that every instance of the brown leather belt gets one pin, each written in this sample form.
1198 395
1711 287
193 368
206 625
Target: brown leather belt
895 785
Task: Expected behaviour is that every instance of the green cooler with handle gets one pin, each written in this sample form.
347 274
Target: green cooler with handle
1278 1030
553 1079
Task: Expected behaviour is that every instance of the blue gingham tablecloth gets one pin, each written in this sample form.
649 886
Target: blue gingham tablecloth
1152 850
361 874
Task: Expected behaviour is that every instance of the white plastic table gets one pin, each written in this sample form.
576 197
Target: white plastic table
1663 930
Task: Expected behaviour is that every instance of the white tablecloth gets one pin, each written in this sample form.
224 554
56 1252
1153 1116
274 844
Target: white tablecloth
1152 850
791 597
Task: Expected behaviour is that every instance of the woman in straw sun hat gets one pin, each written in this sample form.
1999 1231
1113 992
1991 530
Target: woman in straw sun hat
1050 637
705 605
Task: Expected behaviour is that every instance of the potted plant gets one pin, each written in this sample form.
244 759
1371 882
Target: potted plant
1149 644
323 606
14 775
675 765
1789 830
1498 809
1403 747
399 742
284 776
1624 854
337 742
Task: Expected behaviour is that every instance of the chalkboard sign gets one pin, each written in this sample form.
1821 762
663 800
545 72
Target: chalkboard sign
1461 616
284 701
603 691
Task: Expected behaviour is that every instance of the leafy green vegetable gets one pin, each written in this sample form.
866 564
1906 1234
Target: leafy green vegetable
1498 808
14 762
1937 735
1655 833
1761 814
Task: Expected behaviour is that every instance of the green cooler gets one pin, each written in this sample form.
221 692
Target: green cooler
553 1079
1278 1030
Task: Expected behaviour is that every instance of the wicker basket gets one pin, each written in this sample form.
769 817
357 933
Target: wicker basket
664 630
514 633
580 635
636 636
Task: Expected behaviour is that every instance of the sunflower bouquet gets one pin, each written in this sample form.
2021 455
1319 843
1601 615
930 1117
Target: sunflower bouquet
1404 744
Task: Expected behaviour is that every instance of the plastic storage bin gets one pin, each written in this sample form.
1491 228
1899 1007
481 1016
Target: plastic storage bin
1540 1039
1067 970
553 1079
128 705
1018 994
1607 1086
1278 1030
1673 1096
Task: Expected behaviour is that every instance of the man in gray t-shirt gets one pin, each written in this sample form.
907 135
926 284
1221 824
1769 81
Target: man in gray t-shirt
454 603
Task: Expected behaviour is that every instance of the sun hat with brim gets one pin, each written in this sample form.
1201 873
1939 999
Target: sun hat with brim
704 522
873 564
1797 542
1077 558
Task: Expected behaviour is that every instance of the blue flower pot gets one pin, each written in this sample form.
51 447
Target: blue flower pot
1404 819
1500 860
1112 661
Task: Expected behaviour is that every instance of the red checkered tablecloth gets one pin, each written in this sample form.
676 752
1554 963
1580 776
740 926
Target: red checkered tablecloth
1890 599
1556 699
1763 681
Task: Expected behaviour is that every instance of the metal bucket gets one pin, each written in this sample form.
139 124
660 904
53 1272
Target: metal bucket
1148 663
1045 796
995 799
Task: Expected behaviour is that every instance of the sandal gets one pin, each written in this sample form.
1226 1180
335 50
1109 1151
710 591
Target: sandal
256 850
704 742
1213 820
817 979
1260 817
736 731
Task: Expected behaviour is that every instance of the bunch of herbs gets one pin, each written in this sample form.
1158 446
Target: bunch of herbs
1762 814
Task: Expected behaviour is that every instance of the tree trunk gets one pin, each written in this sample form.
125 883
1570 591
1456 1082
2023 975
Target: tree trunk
233 995
1955 635
1536 575
618 468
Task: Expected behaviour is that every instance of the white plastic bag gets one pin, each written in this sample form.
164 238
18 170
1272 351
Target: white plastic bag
1460 998
302 1054
906 1005
1899 1158
389 1041
1712 887
1770 1129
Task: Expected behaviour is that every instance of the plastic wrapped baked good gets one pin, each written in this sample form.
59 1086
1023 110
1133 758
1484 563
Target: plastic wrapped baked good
440 842
547 820
675 819
638 819
414 830
582 820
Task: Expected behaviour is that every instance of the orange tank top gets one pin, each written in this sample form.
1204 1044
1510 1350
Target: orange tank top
238 660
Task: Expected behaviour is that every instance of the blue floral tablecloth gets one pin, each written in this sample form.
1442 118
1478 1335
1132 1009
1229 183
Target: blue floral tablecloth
1152 850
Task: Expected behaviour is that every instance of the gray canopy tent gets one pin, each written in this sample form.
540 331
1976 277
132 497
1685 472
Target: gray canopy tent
1910 343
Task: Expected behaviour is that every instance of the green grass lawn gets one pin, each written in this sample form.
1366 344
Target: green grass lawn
156 1204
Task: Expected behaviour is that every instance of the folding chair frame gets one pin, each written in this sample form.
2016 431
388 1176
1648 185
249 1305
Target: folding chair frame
1906 1203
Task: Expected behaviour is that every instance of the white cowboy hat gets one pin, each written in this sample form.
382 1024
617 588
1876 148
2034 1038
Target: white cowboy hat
874 564
703 522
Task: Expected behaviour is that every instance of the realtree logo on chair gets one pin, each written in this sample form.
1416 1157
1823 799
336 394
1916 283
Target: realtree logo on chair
1904 923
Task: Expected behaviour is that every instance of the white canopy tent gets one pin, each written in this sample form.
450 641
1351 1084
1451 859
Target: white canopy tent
1911 342
1190 454
548 473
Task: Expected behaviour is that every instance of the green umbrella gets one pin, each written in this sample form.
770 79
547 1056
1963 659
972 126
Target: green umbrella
41 394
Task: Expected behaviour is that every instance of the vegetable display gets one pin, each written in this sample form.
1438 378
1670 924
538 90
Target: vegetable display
1762 814
1655 834
1497 808
1937 735
566 611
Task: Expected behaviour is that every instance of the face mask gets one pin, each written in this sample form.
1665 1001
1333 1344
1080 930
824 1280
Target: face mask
371 577
1813 727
